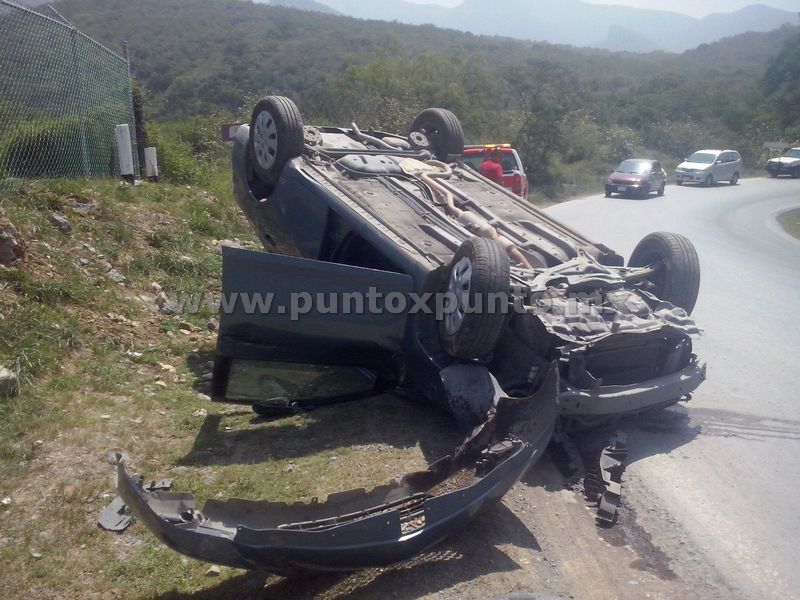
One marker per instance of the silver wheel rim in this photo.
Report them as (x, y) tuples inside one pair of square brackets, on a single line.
[(265, 140), (458, 289)]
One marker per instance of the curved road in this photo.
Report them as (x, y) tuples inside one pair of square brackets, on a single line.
[(728, 488)]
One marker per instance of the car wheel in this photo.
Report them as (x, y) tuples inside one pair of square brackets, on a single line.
[(608, 194), (709, 181), (795, 173), (480, 268), (677, 276), (678, 182), (734, 179), (443, 130), (276, 136), (661, 189), (773, 175)]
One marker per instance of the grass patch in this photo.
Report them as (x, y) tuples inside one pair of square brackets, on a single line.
[(790, 221)]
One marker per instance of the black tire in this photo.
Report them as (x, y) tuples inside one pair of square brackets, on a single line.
[(795, 173), (472, 335), (735, 179), (276, 137), (678, 277), (678, 182), (775, 175), (443, 130), (708, 181), (608, 194), (661, 189)]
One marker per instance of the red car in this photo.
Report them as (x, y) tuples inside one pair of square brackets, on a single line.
[(514, 177), (637, 177)]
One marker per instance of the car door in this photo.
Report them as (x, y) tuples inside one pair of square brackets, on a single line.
[(285, 318)]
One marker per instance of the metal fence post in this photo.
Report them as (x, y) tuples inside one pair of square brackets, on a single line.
[(79, 102), (126, 56)]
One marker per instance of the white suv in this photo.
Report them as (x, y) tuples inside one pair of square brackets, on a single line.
[(786, 164), (708, 166)]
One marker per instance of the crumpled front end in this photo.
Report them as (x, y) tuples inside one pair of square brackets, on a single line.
[(359, 529), (620, 349)]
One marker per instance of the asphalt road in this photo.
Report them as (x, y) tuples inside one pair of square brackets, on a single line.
[(718, 490)]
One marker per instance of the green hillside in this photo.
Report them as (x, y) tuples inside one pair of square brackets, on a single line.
[(571, 111)]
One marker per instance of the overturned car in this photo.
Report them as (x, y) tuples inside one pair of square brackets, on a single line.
[(391, 266)]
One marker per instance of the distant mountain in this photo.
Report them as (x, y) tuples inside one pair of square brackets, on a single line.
[(300, 5), (575, 22)]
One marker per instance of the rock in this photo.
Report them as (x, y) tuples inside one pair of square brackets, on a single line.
[(161, 384), (84, 261), (212, 325), (6, 501), (85, 207), (288, 468), (116, 276), (213, 571), (36, 555), (204, 397), (165, 307), (12, 246), (9, 382), (61, 223), (200, 412), (155, 287), (106, 266), (89, 248)]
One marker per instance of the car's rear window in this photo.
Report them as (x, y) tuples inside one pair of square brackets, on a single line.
[(508, 161), (702, 157)]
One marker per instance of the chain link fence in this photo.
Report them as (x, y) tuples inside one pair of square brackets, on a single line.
[(61, 96)]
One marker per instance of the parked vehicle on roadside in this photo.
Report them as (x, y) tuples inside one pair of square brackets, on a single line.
[(637, 177), (514, 177), (706, 167), (787, 163), (540, 326)]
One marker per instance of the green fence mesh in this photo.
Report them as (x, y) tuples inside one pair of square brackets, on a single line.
[(61, 96)]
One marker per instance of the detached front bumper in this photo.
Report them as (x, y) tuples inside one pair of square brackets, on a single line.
[(358, 529), (625, 399)]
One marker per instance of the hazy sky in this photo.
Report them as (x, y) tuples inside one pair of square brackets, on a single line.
[(690, 7)]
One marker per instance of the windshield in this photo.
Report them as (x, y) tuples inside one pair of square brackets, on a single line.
[(702, 157), (508, 161), (793, 153), (634, 166)]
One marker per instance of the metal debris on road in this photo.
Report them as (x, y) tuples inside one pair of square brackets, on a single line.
[(603, 485)]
